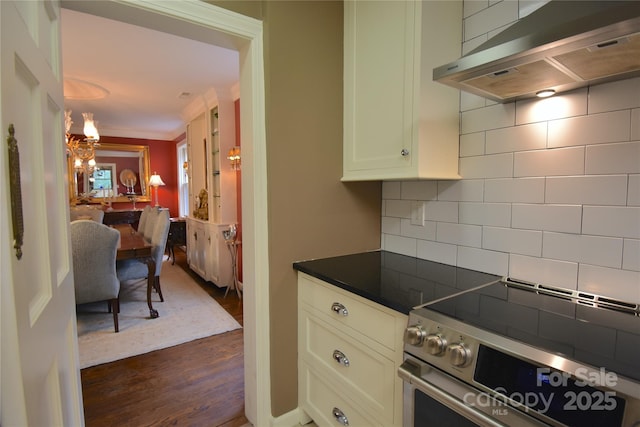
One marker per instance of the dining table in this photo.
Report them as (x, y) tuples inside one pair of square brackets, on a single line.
[(133, 245)]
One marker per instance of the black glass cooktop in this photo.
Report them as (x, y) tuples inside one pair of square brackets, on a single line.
[(396, 281), (576, 329)]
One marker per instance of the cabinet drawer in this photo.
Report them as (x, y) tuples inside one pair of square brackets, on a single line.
[(319, 400), (363, 373), (362, 316)]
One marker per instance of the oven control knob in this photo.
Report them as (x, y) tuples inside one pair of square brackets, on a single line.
[(436, 344), (414, 335), (459, 355)]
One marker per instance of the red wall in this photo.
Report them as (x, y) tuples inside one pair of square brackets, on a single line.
[(163, 160)]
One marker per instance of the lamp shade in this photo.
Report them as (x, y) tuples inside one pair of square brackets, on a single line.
[(90, 128), (155, 180)]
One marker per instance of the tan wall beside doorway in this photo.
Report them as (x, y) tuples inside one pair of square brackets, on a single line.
[(311, 213)]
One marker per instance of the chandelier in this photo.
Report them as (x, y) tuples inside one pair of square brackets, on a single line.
[(82, 150)]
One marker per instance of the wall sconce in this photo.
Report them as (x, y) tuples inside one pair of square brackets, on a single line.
[(155, 181), (234, 157)]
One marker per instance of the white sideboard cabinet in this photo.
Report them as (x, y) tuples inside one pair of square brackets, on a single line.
[(207, 251), (212, 189), (398, 122)]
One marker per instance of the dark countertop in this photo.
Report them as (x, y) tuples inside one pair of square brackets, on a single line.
[(396, 281)]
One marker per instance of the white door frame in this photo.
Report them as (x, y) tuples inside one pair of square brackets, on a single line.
[(211, 24)]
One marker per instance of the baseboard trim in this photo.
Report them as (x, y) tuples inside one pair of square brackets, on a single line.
[(295, 418)]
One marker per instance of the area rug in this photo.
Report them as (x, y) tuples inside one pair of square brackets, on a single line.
[(187, 313)]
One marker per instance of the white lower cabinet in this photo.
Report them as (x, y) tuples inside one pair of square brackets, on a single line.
[(349, 349), (207, 252)]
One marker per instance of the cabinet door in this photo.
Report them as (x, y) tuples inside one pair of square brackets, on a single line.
[(198, 154), (197, 248), (379, 87), (220, 257)]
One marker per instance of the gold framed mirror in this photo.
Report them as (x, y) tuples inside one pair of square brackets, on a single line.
[(121, 173)]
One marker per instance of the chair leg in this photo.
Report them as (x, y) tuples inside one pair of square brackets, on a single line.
[(115, 304), (156, 285), (109, 305)]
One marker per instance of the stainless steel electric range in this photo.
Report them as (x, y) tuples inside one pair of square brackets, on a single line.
[(514, 353)]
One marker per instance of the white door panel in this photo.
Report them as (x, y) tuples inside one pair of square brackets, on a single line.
[(40, 370)]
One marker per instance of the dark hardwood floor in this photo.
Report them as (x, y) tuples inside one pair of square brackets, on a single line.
[(200, 383)]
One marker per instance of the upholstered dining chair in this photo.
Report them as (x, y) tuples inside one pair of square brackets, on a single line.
[(94, 247), (86, 212), (133, 269), (150, 223), (143, 218)]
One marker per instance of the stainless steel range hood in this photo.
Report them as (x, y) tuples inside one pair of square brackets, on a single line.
[(563, 45)]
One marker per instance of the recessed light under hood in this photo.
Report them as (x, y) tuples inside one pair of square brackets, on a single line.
[(562, 46)]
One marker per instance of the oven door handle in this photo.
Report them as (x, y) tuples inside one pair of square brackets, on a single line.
[(404, 371)]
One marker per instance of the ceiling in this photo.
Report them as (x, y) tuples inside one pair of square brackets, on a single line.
[(145, 73)]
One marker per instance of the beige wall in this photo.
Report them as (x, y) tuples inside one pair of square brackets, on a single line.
[(311, 213)]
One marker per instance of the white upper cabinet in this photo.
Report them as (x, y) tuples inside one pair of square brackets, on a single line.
[(398, 122)]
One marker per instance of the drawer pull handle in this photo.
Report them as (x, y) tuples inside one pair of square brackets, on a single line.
[(340, 417), (339, 309), (339, 357)]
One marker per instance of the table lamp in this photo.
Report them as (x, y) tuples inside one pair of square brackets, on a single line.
[(155, 181)]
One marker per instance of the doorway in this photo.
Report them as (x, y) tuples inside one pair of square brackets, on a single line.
[(211, 24)]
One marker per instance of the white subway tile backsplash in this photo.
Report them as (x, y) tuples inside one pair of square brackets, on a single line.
[(492, 117), (562, 218), (493, 166), (603, 251), (467, 190), (472, 144), (568, 104), (483, 260), (419, 190), (492, 17), (441, 211), (544, 271), (426, 232), (635, 124), (587, 190), (561, 161), (469, 101), (437, 252), (619, 284), (518, 190), (611, 221), (495, 214), (391, 189), (399, 244), (633, 196), (592, 129), (390, 225), (459, 234), (550, 190), (511, 240), (471, 7), (518, 138), (613, 158), (613, 96), (398, 208), (631, 255)]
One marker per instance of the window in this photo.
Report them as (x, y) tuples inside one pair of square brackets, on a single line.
[(183, 179)]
